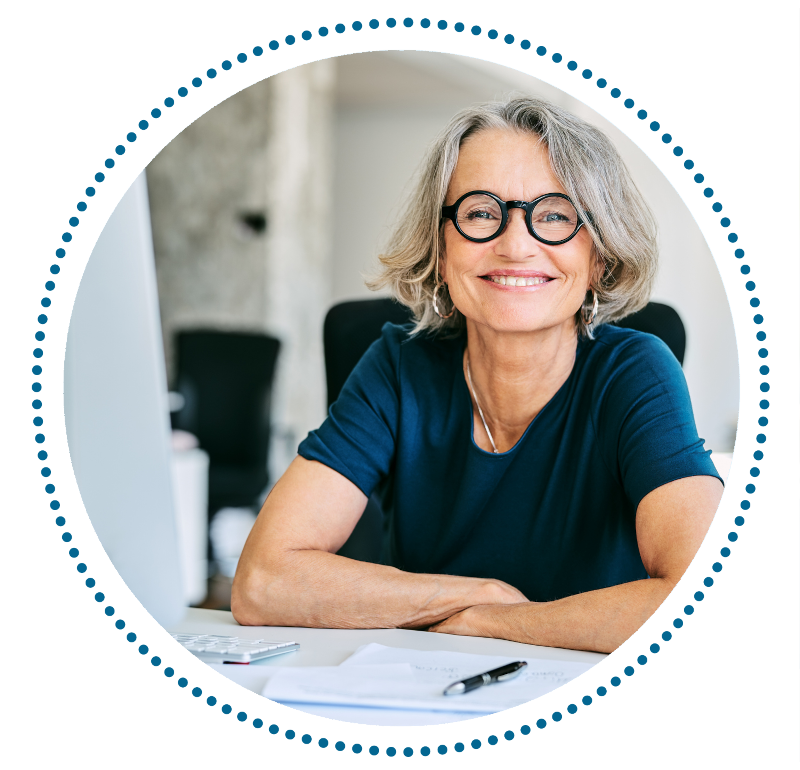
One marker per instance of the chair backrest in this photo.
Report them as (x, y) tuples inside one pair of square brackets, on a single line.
[(226, 381), (661, 321), (351, 327)]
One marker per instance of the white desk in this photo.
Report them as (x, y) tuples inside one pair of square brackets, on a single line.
[(330, 647)]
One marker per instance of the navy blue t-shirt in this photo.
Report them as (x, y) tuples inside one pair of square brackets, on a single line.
[(553, 516)]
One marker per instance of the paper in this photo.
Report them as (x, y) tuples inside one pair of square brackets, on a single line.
[(386, 677)]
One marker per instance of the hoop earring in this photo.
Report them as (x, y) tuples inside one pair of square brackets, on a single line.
[(589, 314), (436, 304)]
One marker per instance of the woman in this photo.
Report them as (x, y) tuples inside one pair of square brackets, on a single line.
[(541, 472)]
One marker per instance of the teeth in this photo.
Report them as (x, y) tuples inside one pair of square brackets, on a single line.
[(510, 280)]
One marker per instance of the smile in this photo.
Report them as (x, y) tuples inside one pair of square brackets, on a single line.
[(517, 280)]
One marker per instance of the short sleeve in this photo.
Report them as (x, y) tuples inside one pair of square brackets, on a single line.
[(646, 419), (359, 435)]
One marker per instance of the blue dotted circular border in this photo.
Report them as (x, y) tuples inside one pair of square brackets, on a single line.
[(226, 709)]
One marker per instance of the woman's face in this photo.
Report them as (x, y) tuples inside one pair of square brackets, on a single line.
[(513, 166)]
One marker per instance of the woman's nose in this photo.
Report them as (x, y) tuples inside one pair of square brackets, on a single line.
[(515, 242)]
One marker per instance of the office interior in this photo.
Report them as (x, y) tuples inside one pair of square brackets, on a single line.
[(272, 208)]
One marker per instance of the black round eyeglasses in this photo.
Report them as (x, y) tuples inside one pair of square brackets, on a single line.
[(481, 216)]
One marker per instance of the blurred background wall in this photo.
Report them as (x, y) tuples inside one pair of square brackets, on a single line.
[(274, 206)]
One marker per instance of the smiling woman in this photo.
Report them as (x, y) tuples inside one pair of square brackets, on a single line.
[(540, 470)]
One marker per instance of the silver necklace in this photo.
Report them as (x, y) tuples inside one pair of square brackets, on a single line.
[(480, 411)]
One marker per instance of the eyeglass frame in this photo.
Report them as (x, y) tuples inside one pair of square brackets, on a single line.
[(449, 212)]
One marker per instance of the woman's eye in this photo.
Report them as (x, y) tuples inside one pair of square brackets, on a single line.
[(479, 214)]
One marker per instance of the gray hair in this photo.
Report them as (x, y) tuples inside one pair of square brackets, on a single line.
[(591, 171)]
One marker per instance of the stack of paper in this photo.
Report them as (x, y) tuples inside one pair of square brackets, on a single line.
[(376, 676)]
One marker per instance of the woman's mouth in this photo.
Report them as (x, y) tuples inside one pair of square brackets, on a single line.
[(516, 280)]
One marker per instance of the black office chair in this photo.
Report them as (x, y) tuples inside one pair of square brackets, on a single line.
[(226, 381), (351, 327)]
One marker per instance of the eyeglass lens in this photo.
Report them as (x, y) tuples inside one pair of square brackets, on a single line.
[(481, 216)]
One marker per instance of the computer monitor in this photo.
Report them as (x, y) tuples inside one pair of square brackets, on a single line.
[(117, 414)]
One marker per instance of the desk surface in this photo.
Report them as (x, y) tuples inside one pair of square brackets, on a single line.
[(330, 647)]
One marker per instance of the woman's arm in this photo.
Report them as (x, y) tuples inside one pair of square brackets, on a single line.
[(289, 574), (671, 522)]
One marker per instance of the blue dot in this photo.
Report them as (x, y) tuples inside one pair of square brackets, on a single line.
[(572, 708), (689, 164), (459, 27), (289, 734), (55, 505), (708, 192), (211, 700), (339, 746), (492, 740), (678, 623), (677, 151), (476, 30), (257, 723), (557, 57), (586, 700), (688, 609), (525, 730), (739, 521), (120, 624), (226, 709), (273, 45), (629, 103), (755, 302), (408, 22), (745, 505), (74, 552), (357, 26), (274, 729), (764, 369), (169, 672), (725, 222), (183, 681), (615, 681), (442, 24), (131, 637), (339, 28), (66, 537), (525, 44), (391, 751), (374, 24), (322, 32), (602, 83), (572, 66), (36, 387), (196, 82), (155, 660), (425, 751), (155, 113), (764, 387), (109, 611), (241, 58), (258, 50), (586, 74), (42, 455), (289, 40), (242, 717), (46, 473), (541, 50), (763, 421), (732, 238), (197, 692), (655, 125), (393, 23), (739, 253), (763, 353), (441, 749), (761, 438), (226, 65), (82, 206), (750, 488), (708, 582), (36, 404), (666, 138), (764, 404), (509, 39), (509, 735), (46, 302), (745, 269), (60, 521), (307, 739), (628, 670), (99, 176), (616, 93), (38, 352), (601, 691), (211, 74), (492, 34), (666, 636), (39, 438), (750, 285), (557, 716), (642, 114), (475, 743), (654, 648)]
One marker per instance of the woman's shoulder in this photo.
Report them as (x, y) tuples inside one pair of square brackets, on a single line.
[(615, 343), (401, 340)]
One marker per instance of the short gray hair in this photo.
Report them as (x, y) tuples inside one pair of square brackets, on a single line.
[(591, 171)]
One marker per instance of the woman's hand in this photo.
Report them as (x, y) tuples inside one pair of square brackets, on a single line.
[(473, 621)]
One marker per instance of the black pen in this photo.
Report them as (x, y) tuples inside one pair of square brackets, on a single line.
[(509, 671)]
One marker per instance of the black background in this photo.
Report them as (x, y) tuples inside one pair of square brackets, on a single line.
[(78, 93)]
